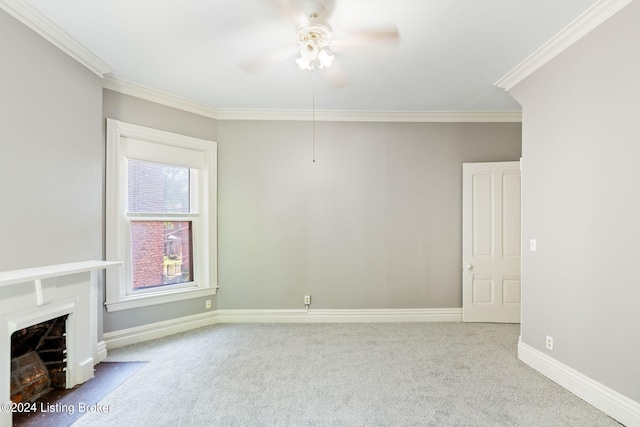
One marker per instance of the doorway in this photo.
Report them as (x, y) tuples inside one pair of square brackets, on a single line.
[(491, 242)]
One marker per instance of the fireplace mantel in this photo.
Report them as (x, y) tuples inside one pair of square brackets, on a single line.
[(33, 295), (8, 278)]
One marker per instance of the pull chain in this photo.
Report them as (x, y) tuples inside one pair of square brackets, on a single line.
[(313, 114)]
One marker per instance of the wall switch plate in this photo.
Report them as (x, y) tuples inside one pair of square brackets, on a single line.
[(533, 246), (307, 299), (549, 343)]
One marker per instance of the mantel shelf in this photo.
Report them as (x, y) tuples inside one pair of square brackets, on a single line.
[(13, 277)]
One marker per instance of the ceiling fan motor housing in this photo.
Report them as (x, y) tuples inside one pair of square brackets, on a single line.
[(314, 9), (317, 34), (315, 38)]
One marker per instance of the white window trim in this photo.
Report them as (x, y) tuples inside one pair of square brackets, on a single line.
[(204, 237)]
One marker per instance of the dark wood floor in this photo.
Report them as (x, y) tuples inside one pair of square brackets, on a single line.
[(63, 407)]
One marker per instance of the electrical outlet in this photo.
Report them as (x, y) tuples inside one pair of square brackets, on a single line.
[(207, 304), (307, 299), (549, 343)]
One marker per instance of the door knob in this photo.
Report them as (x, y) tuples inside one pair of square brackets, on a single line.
[(467, 268)]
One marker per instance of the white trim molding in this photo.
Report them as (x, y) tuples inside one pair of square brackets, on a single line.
[(614, 404), (101, 349), (159, 97), (169, 100), (372, 116), (42, 25), (158, 330), (578, 28), (341, 316), (151, 331)]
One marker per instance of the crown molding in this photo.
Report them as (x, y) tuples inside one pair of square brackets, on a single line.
[(169, 100), (578, 28), (36, 21), (33, 19), (371, 116), (159, 97)]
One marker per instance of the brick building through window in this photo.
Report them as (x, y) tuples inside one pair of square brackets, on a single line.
[(160, 250)]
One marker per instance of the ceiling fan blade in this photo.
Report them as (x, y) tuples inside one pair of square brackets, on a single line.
[(258, 64), (286, 9), (364, 37), (336, 75)]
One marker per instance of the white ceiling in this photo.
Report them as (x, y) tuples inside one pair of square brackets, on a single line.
[(450, 54)]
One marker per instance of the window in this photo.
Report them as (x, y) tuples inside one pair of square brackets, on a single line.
[(161, 223), (161, 249)]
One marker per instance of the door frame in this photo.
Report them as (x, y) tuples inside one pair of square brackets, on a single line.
[(499, 267)]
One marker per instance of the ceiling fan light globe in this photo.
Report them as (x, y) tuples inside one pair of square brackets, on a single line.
[(325, 58), (304, 63)]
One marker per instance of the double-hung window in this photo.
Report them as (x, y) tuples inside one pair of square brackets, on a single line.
[(161, 216)]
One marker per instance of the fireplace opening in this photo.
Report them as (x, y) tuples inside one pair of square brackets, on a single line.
[(38, 359)]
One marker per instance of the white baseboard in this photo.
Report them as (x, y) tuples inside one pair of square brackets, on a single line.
[(151, 331), (101, 351), (612, 403), (84, 372), (341, 316)]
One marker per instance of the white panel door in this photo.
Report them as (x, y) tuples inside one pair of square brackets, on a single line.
[(491, 242)]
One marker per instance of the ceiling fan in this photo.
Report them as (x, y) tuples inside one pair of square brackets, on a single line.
[(316, 45)]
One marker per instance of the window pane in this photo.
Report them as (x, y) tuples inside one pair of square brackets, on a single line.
[(161, 253), (154, 187)]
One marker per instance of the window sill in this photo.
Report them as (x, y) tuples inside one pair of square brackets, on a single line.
[(131, 302)]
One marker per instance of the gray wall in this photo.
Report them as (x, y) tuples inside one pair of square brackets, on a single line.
[(140, 112), (374, 223), (51, 157), (581, 145)]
